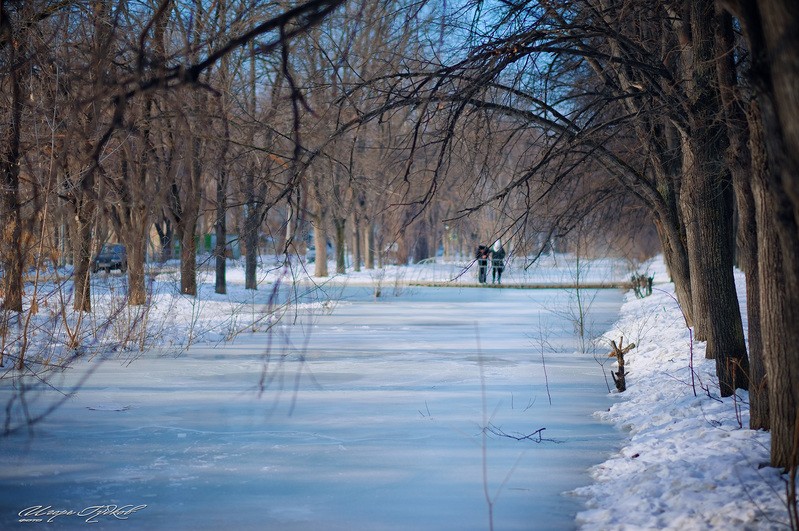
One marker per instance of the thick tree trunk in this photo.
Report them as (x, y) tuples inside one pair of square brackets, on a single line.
[(777, 92), (756, 291), (13, 256), (707, 209), (356, 242), (136, 249), (12, 244), (421, 246), (251, 226), (780, 313), (320, 243), (133, 231), (772, 31), (221, 233), (340, 226), (189, 215), (166, 237), (708, 218), (369, 245), (131, 218), (84, 223), (676, 258), (188, 257), (740, 162), (780, 39)]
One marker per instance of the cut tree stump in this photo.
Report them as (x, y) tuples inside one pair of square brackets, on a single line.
[(618, 352)]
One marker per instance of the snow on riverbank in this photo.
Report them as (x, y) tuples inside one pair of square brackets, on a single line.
[(690, 462)]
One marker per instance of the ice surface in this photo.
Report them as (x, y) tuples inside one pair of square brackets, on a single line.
[(363, 415)]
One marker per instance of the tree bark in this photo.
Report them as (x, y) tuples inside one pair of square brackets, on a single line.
[(188, 258), (220, 285), (220, 227), (189, 215), (369, 245), (252, 218), (166, 237), (707, 209), (136, 251), (740, 162), (675, 255), (252, 222), (356, 242), (221, 231), (340, 224), (772, 31), (778, 323), (780, 38), (84, 225), (12, 244), (320, 243), (756, 291)]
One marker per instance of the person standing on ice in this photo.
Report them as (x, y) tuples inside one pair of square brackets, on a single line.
[(497, 262), (482, 263)]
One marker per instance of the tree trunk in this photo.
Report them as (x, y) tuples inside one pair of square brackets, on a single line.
[(673, 233), (708, 217), (221, 232), (251, 226), (770, 28), (676, 257), (780, 19), (780, 42), (84, 217), (189, 215), (132, 223), (188, 245), (707, 208), (320, 243), (756, 291), (188, 258), (421, 245), (356, 242), (166, 237), (222, 175), (136, 247), (12, 237), (252, 219), (369, 245), (778, 323), (340, 225), (740, 162)]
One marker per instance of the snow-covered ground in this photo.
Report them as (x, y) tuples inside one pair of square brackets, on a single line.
[(312, 404), (690, 461)]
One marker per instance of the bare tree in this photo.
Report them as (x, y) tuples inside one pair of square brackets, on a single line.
[(773, 41)]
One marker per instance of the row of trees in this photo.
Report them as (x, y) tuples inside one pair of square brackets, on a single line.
[(138, 118), (687, 107), (117, 116), (123, 117), (395, 124)]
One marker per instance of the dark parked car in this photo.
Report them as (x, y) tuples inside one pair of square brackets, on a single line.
[(111, 256)]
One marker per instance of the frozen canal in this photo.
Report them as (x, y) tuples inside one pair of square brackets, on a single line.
[(365, 415)]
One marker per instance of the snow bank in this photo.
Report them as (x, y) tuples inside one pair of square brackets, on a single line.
[(690, 462)]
